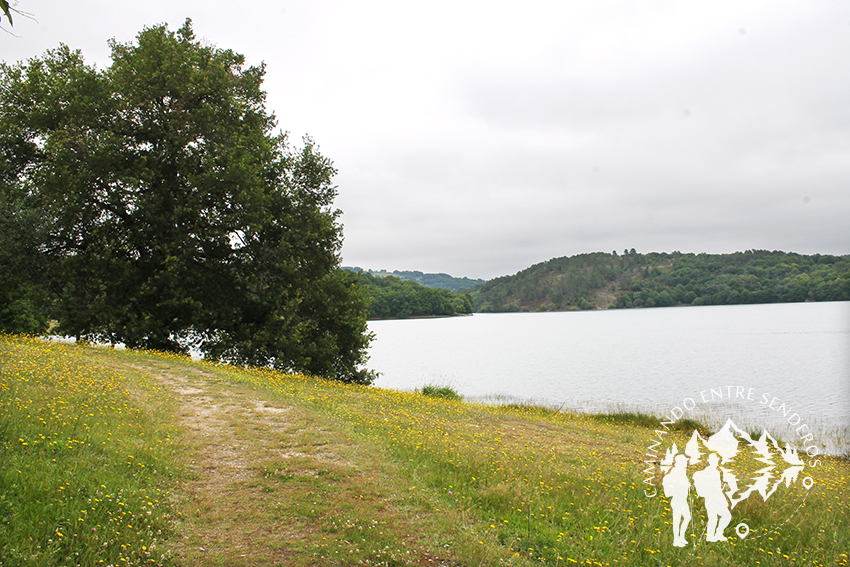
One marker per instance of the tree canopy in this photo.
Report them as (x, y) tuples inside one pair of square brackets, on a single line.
[(599, 280), (166, 213), (442, 281), (393, 298)]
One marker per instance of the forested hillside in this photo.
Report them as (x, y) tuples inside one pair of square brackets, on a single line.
[(392, 298), (600, 280), (444, 281)]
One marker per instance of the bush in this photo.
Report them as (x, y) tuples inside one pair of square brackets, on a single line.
[(445, 392)]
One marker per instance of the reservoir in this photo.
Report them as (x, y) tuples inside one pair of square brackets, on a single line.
[(758, 364)]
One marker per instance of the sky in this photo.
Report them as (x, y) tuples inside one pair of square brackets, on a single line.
[(477, 138)]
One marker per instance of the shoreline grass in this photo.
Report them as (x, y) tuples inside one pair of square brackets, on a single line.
[(362, 475), (831, 437)]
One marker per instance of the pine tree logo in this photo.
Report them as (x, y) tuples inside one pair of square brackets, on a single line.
[(724, 471)]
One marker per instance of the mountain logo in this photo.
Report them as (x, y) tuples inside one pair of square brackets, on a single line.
[(724, 471)]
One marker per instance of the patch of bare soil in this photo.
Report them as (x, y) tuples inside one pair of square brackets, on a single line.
[(225, 513)]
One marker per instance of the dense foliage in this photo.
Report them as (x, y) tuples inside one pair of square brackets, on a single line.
[(600, 280), (25, 301), (165, 213), (392, 298), (444, 281)]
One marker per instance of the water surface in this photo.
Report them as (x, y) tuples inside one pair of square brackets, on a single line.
[(797, 353)]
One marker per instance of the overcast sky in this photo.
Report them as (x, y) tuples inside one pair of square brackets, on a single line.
[(479, 138)]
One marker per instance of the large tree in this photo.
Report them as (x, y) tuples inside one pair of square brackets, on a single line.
[(177, 216)]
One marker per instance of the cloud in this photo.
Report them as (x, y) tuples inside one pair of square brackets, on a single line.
[(704, 141), (478, 138)]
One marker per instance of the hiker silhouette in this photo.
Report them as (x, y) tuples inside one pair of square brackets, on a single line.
[(709, 485), (676, 486)]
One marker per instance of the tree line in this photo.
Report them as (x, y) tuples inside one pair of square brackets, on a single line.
[(441, 280), (600, 280), (153, 203), (393, 298)]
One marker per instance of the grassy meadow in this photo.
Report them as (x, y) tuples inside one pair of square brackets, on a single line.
[(88, 457), (112, 457)]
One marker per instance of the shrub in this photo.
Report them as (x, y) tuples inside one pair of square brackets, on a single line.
[(445, 392)]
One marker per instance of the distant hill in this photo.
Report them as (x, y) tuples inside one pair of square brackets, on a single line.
[(600, 280), (442, 281), (392, 298)]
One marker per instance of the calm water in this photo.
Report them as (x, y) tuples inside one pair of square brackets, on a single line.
[(638, 358)]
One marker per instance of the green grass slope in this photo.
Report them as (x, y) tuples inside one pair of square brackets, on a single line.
[(130, 458)]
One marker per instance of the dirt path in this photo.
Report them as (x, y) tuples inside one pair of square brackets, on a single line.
[(272, 484), (228, 514)]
